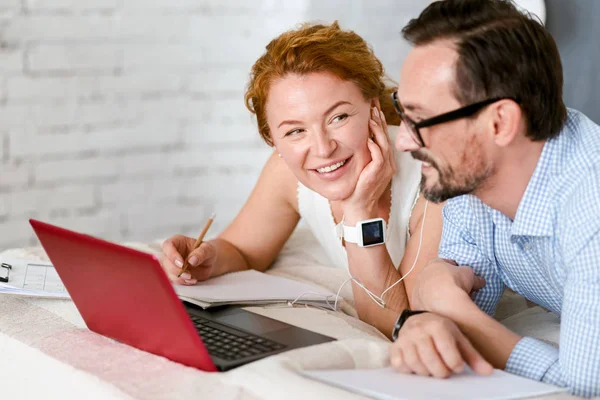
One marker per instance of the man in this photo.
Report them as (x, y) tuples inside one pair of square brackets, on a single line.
[(522, 175)]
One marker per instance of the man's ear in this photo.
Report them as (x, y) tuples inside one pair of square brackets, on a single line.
[(507, 119)]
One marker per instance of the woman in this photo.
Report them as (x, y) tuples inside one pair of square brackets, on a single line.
[(318, 93)]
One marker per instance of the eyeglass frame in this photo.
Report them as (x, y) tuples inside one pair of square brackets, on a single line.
[(462, 112)]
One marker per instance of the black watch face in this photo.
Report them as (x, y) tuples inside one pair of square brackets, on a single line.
[(372, 233)]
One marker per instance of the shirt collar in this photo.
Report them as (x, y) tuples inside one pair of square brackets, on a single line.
[(534, 214)]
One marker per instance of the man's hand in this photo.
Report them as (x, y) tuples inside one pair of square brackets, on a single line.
[(431, 345), (440, 283)]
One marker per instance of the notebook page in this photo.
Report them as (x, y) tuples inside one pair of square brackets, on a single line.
[(248, 286), (387, 384)]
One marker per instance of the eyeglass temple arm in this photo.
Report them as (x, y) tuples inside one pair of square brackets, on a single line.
[(456, 114)]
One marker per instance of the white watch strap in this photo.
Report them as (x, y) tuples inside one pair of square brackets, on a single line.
[(339, 231), (350, 234)]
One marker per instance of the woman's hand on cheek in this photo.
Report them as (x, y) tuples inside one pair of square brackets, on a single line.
[(375, 177)]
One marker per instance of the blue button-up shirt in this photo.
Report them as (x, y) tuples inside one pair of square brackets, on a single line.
[(549, 254)]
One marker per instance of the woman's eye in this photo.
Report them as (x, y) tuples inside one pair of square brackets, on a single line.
[(294, 132), (339, 118)]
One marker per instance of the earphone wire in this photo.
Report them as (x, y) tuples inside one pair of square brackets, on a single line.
[(416, 257), (376, 299)]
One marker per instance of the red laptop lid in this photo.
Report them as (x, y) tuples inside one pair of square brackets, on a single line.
[(123, 294)]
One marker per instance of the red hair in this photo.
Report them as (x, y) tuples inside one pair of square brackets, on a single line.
[(318, 48)]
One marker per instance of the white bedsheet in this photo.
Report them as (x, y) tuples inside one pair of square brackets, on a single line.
[(46, 352)]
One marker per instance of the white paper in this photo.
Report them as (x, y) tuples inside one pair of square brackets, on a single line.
[(388, 384), (32, 278), (252, 287)]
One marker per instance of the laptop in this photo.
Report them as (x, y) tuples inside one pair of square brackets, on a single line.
[(124, 294)]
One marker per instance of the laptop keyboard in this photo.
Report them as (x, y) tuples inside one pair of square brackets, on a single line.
[(231, 344)]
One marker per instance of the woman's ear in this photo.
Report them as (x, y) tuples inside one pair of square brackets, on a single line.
[(375, 103)]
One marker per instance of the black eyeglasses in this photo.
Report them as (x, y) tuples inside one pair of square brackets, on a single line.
[(413, 127)]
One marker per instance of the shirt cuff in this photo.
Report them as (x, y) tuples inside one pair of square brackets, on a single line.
[(531, 358)]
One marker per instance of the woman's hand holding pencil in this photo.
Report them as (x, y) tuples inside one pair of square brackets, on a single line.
[(187, 260)]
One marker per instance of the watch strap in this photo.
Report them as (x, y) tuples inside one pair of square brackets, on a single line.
[(402, 319), (350, 234)]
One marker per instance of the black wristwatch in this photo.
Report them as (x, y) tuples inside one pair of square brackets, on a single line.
[(402, 319)]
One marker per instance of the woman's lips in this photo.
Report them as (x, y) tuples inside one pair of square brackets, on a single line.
[(335, 174)]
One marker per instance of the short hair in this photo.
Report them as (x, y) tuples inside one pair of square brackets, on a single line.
[(318, 48), (502, 52)]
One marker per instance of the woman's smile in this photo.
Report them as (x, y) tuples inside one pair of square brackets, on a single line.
[(332, 171)]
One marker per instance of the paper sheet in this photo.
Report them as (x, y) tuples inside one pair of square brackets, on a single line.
[(387, 384), (252, 287), (33, 278)]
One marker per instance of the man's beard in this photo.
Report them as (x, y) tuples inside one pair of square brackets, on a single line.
[(450, 183)]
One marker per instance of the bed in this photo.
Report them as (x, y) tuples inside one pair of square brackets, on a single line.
[(46, 351)]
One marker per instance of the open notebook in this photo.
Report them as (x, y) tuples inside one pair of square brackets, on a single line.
[(39, 279), (253, 288), (387, 384)]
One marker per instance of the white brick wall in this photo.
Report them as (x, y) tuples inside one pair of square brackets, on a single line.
[(125, 118)]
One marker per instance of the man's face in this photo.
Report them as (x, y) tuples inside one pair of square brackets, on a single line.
[(455, 157)]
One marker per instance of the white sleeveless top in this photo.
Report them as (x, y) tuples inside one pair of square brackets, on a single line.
[(316, 211)]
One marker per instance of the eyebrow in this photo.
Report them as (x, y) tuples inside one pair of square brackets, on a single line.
[(330, 109), (412, 107)]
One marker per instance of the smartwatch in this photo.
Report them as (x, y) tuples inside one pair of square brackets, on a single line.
[(370, 232)]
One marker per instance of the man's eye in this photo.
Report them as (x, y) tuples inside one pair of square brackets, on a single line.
[(415, 119), (339, 118), (294, 132)]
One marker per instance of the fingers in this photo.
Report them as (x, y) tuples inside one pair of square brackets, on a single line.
[(379, 130), (472, 357), (412, 360), (389, 149), (201, 261), (466, 278), (172, 260), (381, 154), (433, 345), (171, 252), (384, 123), (377, 159), (448, 349), (173, 271), (431, 358), (478, 283), (397, 360), (422, 357)]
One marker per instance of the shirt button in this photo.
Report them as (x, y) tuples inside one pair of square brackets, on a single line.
[(527, 246)]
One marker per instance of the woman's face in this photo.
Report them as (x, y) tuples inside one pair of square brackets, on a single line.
[(320, 126)]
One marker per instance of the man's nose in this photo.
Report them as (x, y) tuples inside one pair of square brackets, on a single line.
[(405, 141)]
